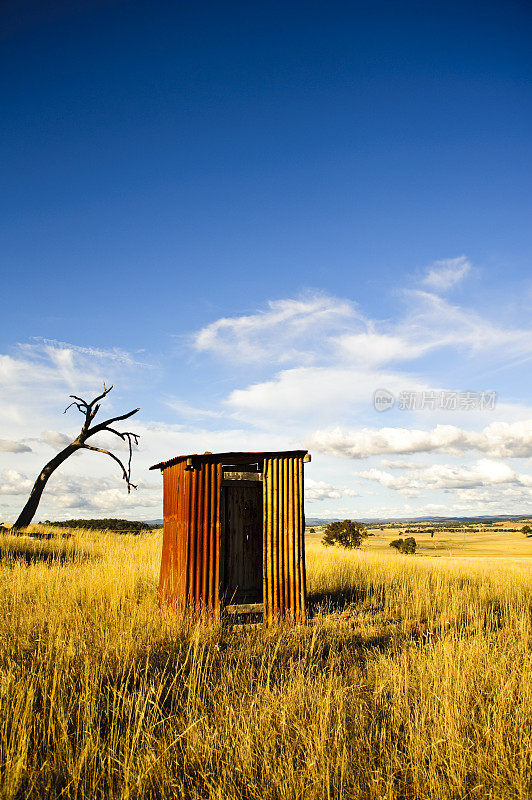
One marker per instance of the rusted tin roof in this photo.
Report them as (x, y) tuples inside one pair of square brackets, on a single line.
[(231, 458)]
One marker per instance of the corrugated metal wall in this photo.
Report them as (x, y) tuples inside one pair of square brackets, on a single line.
[(284, 540), (190, 564)]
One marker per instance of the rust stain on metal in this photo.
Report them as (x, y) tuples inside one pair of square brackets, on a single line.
[(237, 542)]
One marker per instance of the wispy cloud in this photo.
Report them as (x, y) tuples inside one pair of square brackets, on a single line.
[(110, 354), (333, 357), (57, 365), (190, 411), (432, 323), (444, 274), (36, 379), (287, 330)]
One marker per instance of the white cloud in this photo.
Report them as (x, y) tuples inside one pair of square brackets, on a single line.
[(388, 463), (56, 439), (482, 473), (13, 482), (334, 357), (8, 446), (318, 490), (442, 275), (310, 390), (504, 498), (374, 349), (497, 440)]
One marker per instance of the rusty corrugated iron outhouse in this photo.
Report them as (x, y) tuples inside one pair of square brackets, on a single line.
[(234, 528)]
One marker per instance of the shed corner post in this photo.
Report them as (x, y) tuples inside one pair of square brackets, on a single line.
[(303, 573)]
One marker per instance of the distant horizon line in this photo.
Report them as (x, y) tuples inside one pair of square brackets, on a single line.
[(325, 520)]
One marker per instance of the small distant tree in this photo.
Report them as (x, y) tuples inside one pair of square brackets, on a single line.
[(406, 546), (409, 545), (312, 530), (527, 530), (348, 534), (397, 544)]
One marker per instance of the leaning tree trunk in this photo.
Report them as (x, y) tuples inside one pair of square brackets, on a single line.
[(28, 512)]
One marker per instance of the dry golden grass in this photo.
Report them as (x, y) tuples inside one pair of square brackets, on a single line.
[(413, 680)]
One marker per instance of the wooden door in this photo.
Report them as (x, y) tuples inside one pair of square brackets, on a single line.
[(242, 541)]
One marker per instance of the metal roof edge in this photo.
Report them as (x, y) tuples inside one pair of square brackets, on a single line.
[(250, 456)]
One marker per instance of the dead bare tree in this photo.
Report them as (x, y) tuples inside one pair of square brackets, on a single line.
[(89, 410)]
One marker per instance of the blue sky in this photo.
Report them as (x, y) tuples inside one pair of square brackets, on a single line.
[(249, 219)]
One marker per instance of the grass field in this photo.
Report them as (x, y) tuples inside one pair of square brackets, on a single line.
[(477, 540), (411, 680)]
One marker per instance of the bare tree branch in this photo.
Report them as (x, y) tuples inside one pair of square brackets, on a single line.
[(88, 408), (102, 395), (105, 424), (126, 474), (79, 406), (124, 434)]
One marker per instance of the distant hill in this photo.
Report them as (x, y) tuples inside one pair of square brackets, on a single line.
[(123, 524), (111, 524), (309, 521), (495, 517)]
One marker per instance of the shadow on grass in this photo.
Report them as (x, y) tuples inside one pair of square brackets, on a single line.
[(340, 599), (34, 554)]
